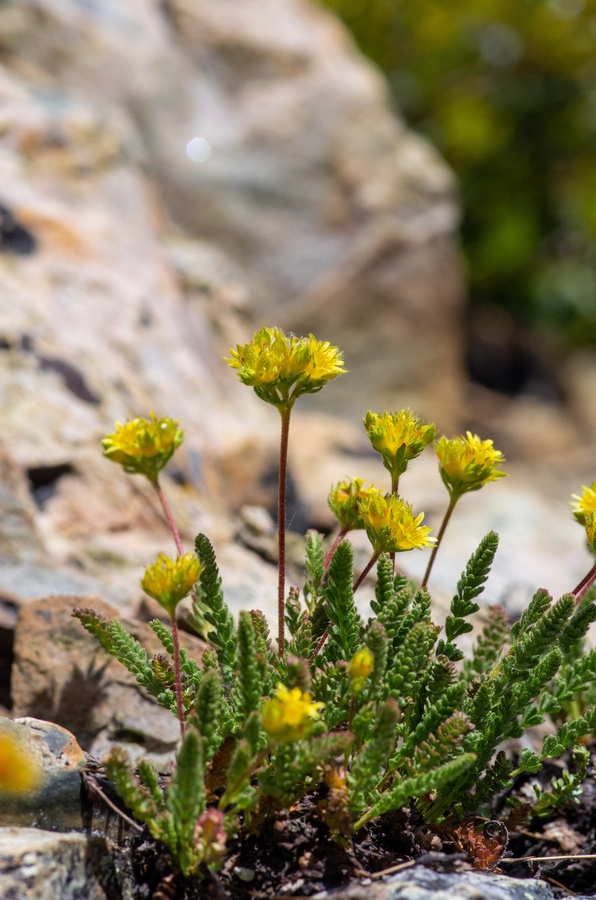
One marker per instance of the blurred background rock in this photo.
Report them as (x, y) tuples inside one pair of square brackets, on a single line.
[(175, 174)]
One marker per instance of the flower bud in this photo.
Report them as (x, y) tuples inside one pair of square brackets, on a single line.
[(399, 437), (467, 463), (361, 665), (143, 446), (170, 580)]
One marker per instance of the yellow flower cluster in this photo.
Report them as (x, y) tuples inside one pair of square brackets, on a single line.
[(390, 524), (585, 503), (289, 715), (361, 665), (344, 500), (18, 771), (143, 446), (467, 463), (281, 368), (170, 580), (399, 437)]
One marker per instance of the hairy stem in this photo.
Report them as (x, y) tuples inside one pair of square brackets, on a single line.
[(585, 584), (453, 500), (336, 544), (169, 517), (319, 647), (365, 571), (281, 526), (394, 490), (174, 628)]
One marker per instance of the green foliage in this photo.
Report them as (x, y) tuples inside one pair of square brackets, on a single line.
[(247, 693), (114, 638), (210, 604), (565, 789), (386, 713), (315, 564), (419, 729), (470, 586), (172, 813), (207, 712), (505, 90), (345, 626)]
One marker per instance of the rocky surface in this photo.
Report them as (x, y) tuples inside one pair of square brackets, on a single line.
[(45, 865), (55, 800), (60, 672), (422, 882), (127, 269), (341, 219)]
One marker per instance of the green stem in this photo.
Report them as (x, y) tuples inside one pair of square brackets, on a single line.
[(452, 501), (174, 628), (352, 711), (281, 526), (585, 584), (365, 571), (363, 819), (169, 516)]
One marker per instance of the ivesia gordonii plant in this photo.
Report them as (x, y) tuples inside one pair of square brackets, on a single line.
[(387, 712)]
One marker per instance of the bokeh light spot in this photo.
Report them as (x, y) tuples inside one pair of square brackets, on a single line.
[(198, 149)]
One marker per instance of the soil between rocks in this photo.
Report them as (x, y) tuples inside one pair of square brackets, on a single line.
[(294, 855)]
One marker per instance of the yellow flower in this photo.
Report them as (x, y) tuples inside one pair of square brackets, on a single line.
[(143, 446), (18, 770), (344, 501), (170, 580), (281, 368), (289, 715), (390, 524), (399, 437), (361, 665), (584, 503), (467, 463)]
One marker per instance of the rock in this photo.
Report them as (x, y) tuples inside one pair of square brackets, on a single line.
[(55, 801), (45, 865), (422, 882), (61, 672), (341, 219)]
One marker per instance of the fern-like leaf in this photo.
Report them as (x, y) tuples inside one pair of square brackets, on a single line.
[(425, 783), (345, 627), (207, 712), (369, 764), (248, 684), (212, 606)]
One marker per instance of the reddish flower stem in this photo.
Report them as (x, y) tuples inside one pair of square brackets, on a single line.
[(336, 544), (174, 628), (319, 647), (169, 517), (394, 490), (365, 571), (281, 527), (585, 584), (453, 500)]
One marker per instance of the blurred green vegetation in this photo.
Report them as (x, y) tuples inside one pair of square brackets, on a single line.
[(506, 90)]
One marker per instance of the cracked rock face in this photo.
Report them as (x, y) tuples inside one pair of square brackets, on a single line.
[(127, 269), (43, 865)]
